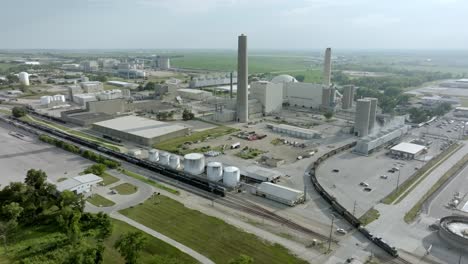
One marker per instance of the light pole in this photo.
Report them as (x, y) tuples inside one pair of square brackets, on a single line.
[(331, 233), (398, 181)]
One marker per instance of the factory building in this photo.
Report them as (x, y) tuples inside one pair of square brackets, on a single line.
[(270, 95), (366, 111), (140, 130), (164, 63), (242, 81), (111, 107), (127, 70), (90, 66), (82, 99), (300, 94), (109, 95), (123, 84), (108, 64), (294, 131), (50, 101), (212, 80), (348, 97), (92, 86), (23, 78), (461, 112), (391, 133), (193, 94), (280, 193), (407, 150)]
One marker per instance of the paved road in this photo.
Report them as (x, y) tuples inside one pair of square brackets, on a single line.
[(187, 250), (416, 237)]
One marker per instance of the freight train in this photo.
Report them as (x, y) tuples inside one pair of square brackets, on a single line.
[(340, 209), (180, 176)]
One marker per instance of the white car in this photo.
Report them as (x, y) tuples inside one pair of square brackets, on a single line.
[(364, 184), (384, 177), (341, 231)]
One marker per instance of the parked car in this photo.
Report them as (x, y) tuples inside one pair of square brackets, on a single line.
[(384, 177), (341, 231), (364, 184), (367, 189), (336, 170)]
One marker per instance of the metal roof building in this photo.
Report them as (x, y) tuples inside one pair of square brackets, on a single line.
[(280, 193), (79, 184), (140, 130), (408, 150)]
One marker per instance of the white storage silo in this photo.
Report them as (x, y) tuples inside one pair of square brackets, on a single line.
[(45, 100), (194, 163), (24, 78), (231, 176), (164, 158), (153, 155), (214, 171), (174, 161)]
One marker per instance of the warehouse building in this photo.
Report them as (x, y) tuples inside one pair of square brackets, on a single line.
[(79, 184), (140, 130), (92, 86), (407, 150), (269, 94), (461, 112), (294, 131), (280, 193), (194, 94)]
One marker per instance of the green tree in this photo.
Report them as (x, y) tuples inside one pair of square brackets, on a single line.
[(328, 115), (187, 115), (242, 259), (97, 169), (35, 178), (300, 78), (70, 199), (18, 111), (129, 245), (150, 86), (12, 211)]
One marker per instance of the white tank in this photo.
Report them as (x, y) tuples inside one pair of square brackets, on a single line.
[(231, 176), (164, 158), (194, 163), (174, 161), (153, 155), (214, 171), (24, 78), (45, 100)]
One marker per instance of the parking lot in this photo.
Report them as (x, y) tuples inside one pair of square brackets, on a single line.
[(343, 174), (17, 156)]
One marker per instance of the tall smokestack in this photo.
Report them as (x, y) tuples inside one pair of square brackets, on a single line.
[(230, 90), (242, 82), (327, 68)]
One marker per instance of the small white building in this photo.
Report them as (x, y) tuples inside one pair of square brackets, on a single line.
[(407, 150), (81, 99), (109, 95), (280, 193), (79, 184), (461, 112)]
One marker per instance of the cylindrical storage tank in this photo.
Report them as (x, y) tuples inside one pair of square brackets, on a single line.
[(231, 176), (153, 155), (214, 171), (174, 161), (164, 158), (194, 163), (23, 78)]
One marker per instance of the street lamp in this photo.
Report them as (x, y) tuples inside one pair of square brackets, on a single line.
[(331, 233)]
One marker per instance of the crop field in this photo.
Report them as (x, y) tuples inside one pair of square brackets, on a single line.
[(227, 61), (207, 235)]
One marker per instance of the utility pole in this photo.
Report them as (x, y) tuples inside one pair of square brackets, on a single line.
[(305, 192), (354, 207), (398, 181), (331, 233)]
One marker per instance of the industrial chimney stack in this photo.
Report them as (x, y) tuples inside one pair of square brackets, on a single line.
[(242, 81)]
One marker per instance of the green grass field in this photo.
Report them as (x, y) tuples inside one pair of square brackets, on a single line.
[(208, 235), (108, 179), (175, 145), (227, 61), (370, 216), (125, 189), (99, 201), (311, 75), (31, 237)]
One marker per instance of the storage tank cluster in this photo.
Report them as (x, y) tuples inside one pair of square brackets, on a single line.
[(174, 161), (164, 158), (231, 176), (24, 78), (214, 171)]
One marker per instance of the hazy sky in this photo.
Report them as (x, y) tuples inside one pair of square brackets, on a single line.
[(269, 24)]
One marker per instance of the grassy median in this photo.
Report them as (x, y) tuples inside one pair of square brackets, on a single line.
[(370, 216), (208, 235), (149, 181)]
